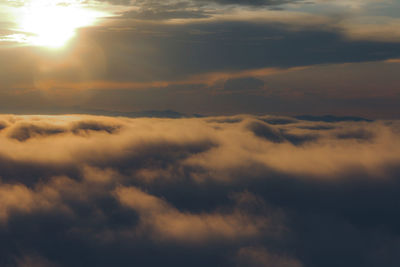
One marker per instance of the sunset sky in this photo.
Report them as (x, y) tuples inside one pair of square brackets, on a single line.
[(214, 57), (199, 133)]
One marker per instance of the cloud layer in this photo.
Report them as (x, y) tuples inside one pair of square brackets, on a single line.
[(218, 191)]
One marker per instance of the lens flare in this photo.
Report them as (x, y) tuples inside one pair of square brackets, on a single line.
[(54, 23)]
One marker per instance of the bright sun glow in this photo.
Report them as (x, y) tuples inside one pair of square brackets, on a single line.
[(52, 23)]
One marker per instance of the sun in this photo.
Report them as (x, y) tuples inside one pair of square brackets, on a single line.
[(53, 23)]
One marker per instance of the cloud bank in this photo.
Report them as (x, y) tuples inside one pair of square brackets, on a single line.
[(219, 191)]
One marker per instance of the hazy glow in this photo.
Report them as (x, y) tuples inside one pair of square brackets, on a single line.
[(53, 23)]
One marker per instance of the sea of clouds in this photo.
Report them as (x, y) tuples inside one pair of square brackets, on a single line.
[(241, 190)]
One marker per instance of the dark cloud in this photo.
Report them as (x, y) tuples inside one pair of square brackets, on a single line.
[(253, 2), (3, 125), (23, 131), (265, 131), (259, 256), (278, 135), (96, 126), (222, 2), (318, 127), (174, 51), (276, 120), (243, 84), (361, 134), (330, 118), (216, 191), (226, 120), (167, 10)]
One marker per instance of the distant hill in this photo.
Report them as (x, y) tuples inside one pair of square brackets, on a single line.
[(330, 118), (136, 114), (172, 114)]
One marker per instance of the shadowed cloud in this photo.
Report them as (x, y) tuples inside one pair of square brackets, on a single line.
[(23, 131), (218, 191)]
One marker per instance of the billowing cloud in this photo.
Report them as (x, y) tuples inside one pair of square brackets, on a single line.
[(241, 190), (166, 222), (23, 131), (228, 191)]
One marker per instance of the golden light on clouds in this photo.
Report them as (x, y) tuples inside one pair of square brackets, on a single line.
[(229, 133), (52, 23)]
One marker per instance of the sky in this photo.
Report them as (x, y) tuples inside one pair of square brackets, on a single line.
[(226, 133), (211, 57)]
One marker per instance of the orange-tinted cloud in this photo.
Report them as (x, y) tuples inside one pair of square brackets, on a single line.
[(239, 190), (167, 223)]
